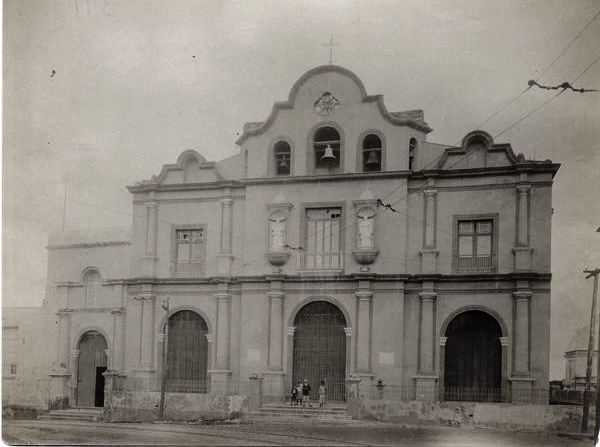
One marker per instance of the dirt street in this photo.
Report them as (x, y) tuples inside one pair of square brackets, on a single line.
[(34, 432)]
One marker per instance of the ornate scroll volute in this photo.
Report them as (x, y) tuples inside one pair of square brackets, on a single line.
[(278, 213), (365, 212)]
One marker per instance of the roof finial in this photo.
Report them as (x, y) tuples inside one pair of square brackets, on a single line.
[(331, 45)]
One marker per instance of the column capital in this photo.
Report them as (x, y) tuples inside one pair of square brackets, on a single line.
[(443, 341), (503, 341), (75, 354), (64, 312), (363, 295), (348, 331), (430, 192), (152, 204), (522, 295), (524, 188), (223, 297), (209, 337), (160, 337), (276, 295), (227, 201), (427, 297), (118, 311), (291, 330)]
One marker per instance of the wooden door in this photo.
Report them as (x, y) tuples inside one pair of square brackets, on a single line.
[(92, 355)]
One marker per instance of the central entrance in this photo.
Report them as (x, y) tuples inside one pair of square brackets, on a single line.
[(91, 365), (320, 349)]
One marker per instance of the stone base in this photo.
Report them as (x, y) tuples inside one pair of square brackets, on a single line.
[(273, 384), (59, 392), (521, 390), (522, 258), (220, 381), (365, 383), (429, 261), (224, 261), (426, 388)]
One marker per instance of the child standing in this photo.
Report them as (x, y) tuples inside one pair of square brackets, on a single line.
[(299, 393), (322, 392), (294, 395)]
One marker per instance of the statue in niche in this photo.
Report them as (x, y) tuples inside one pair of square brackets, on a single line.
[(277, 231), (365, 228)]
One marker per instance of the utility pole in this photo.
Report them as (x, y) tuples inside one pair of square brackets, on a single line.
[(588, 370), (163, 380), (595, 273)]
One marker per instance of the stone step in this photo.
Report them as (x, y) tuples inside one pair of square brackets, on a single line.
[(285, 412), (78, 414)]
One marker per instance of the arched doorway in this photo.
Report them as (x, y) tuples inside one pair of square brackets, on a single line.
[(320, 348), (91, 365), (187, 353), (473, 358)]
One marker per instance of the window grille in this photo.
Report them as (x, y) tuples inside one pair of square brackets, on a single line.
[(475, 239), (323, 239), (190, 249)]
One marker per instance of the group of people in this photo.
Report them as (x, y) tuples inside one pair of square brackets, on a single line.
[(301, 393)]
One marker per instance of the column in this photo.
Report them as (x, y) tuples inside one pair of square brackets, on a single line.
[(522, 383), (149, 259), (521, 337), (118, 364), (151, 227), (522, 251), (60, 396), (426, 377), (275, 331), (426, 332), (64, 338), (363, 337), (224, 258), (220, 376), (429, 253), (146, 332)]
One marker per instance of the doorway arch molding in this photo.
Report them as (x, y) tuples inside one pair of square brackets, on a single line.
[(165, 317), (294, 310), (480, 308)]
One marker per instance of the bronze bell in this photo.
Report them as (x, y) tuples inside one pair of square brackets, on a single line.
[(328, 156), (373, 160)]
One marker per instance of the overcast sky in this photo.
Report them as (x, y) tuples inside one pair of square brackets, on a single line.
[(101, 93)]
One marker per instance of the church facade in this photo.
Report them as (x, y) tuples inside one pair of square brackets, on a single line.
[(338, 245)]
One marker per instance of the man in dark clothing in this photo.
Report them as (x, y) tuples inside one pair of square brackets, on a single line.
[(306, 394)]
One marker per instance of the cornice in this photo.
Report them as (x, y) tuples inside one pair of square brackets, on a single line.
[(87, 245)]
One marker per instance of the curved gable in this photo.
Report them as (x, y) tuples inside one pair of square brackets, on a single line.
[(478, 150), (325, 88)]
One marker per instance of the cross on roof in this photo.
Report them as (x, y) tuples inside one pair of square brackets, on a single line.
[(331, 44)]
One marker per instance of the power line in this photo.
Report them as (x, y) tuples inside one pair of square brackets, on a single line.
[(569, 45)]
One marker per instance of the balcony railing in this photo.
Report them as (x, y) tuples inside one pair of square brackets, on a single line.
[(321, 260), (187, 268), (476, 263)]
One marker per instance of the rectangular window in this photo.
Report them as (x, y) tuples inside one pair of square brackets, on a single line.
[(322, 239), (190, 252), (475, 251)]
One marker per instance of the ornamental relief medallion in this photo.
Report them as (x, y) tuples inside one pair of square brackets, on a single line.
[(326, 104)]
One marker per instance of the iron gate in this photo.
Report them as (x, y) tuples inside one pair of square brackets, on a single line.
[(187, 353), (320, 349), (473, 358)]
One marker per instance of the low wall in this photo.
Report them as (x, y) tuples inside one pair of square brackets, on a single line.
[(553, 418), (139, 406)]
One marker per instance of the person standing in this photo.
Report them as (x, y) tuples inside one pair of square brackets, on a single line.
[(299, 393), (306, 394), (322, 392)]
